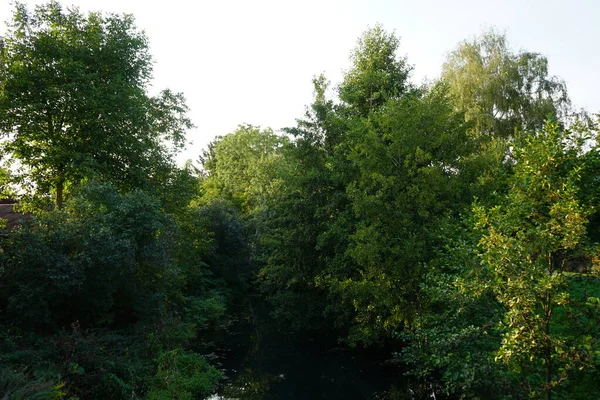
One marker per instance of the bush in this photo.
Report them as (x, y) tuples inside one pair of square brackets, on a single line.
[(104, 259), (18, 386), (183, 375)]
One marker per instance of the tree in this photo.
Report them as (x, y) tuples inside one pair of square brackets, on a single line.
[(240, 175), (240, 165), (73, 100), (500, 91), (529, 243), (105, 257), (377, 73), (371, 180), (409, 157)]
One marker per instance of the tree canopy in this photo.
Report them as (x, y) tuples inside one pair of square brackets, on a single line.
[(377, 74), (74, 102), (501, 91), (450, 227)]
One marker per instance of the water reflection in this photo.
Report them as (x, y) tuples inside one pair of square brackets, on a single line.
[(262, 362)]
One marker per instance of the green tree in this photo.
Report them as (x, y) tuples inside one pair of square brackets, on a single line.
[(240, 176), (503, 92), (303, 226), (73, 100), (529, 245), (370, 181), (105, 257), (240, 166), (377, 73), (452, 340), (410, 160)]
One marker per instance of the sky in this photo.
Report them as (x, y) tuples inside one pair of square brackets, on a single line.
[(252, 61)]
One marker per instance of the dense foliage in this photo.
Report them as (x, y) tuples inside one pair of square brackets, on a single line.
[(73, 100), (453, 224)]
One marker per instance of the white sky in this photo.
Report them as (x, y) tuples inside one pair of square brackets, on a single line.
[(252, 61)]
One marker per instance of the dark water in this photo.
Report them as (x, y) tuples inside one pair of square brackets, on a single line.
[(262, 360)]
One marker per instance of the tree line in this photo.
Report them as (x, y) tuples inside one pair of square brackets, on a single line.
[(455, 222)]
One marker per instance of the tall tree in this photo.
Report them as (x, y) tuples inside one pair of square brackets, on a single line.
[(409, 184), (377, 73), (529, 244), (73, 100), (374, 176), (502, 91)]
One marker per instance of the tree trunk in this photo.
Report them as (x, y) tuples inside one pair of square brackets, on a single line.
[(548, 337), (548, 381), (60, 183), (59, 193), (548, 350)]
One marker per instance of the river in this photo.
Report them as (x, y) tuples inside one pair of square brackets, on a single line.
[(261, 360)]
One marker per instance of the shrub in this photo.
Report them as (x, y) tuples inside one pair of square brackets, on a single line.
[(183, 375)]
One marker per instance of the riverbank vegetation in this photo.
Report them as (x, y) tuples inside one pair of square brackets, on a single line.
[(455, 223)]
